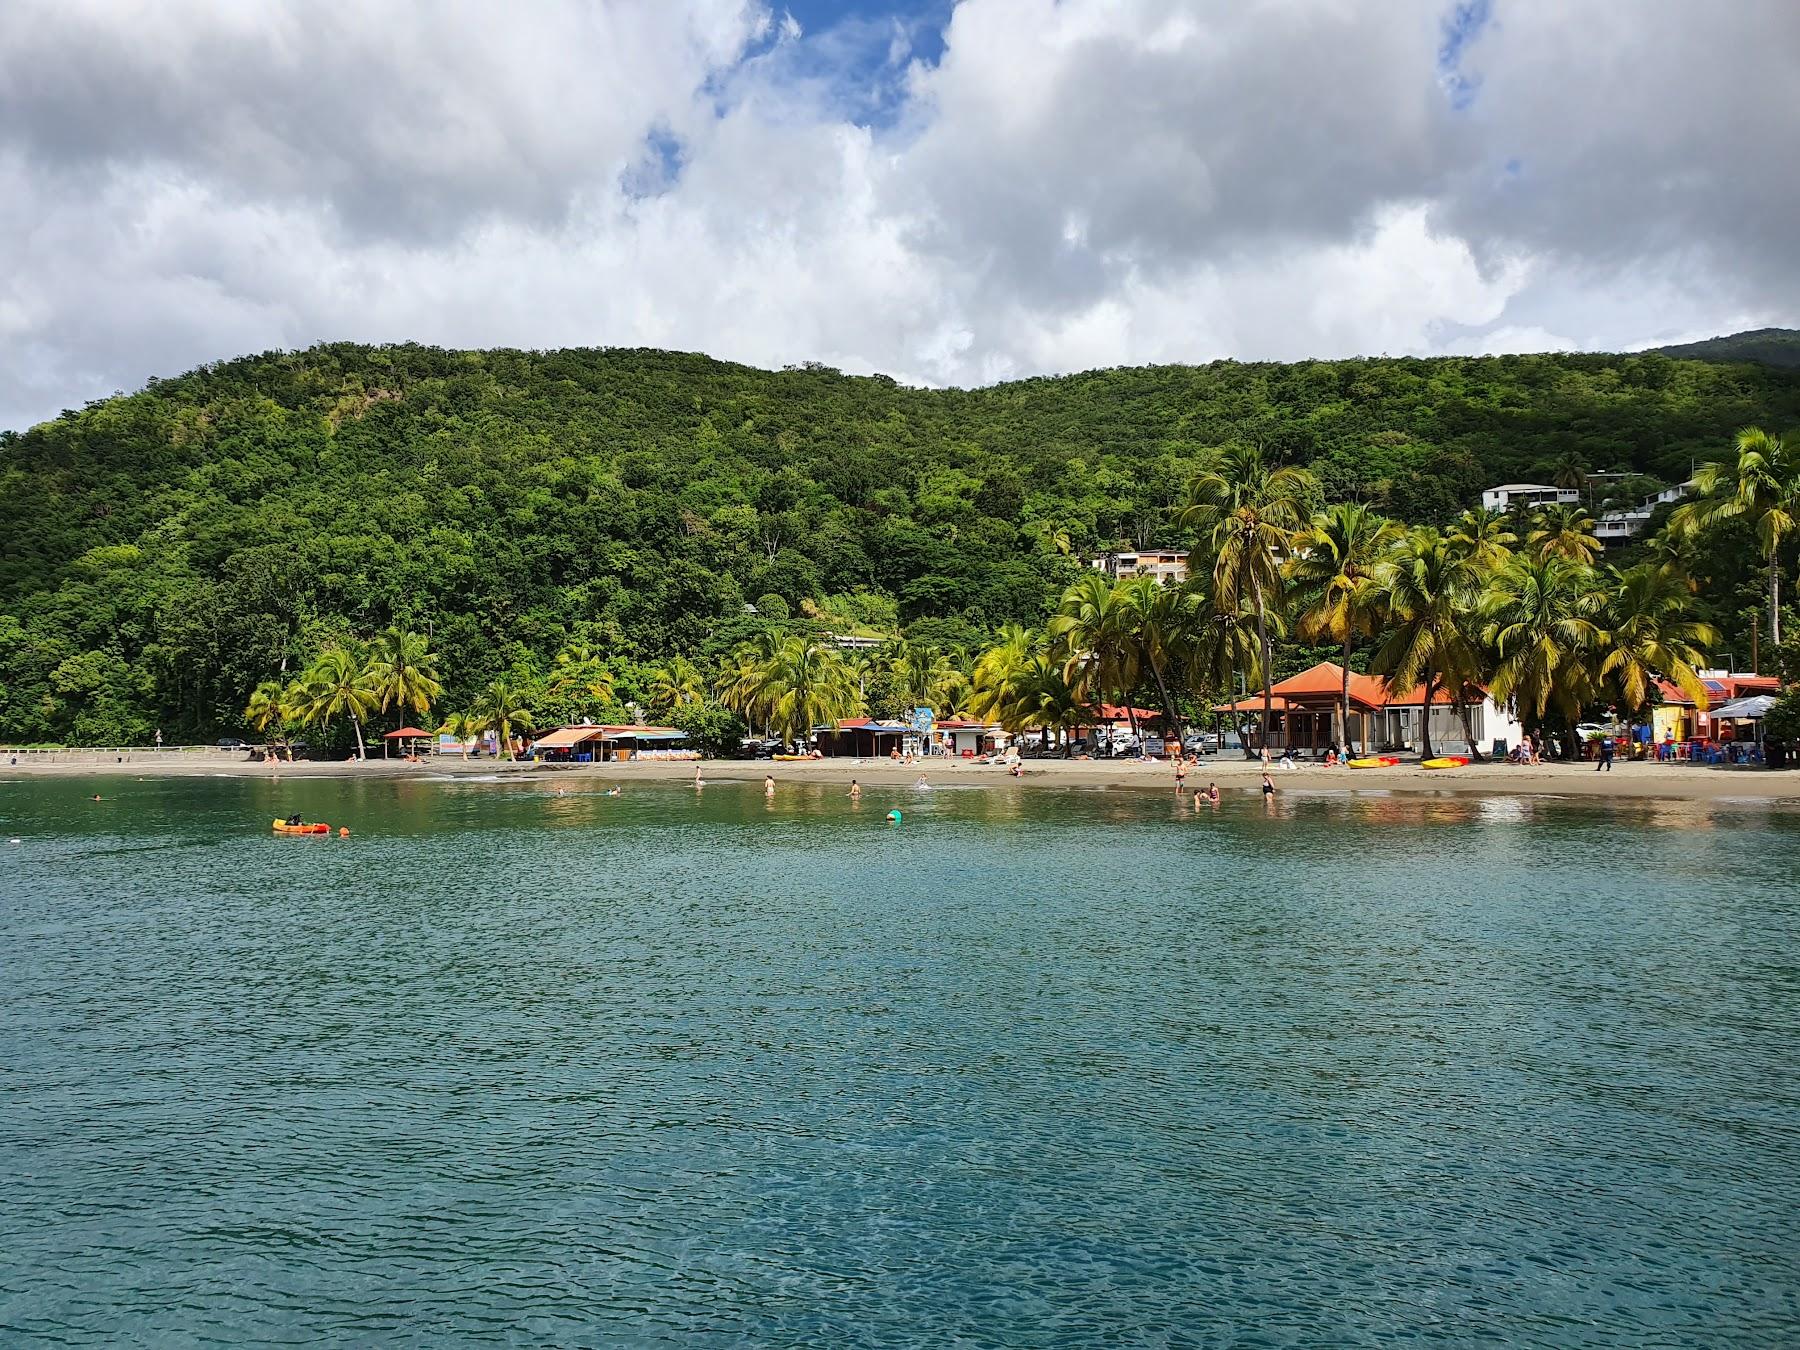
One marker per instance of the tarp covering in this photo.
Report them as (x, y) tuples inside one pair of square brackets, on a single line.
[(1746, 708), (565, 738)]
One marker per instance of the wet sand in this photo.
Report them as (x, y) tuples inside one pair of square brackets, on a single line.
[(1678, 782)]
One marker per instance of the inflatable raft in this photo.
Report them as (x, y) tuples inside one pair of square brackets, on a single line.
[(318, 827)]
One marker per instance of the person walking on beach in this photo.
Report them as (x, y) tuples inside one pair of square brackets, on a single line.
[(1606, 755)]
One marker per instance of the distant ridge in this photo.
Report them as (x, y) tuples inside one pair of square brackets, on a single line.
[(1764, 346)]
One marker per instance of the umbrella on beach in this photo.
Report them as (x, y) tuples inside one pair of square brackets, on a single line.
[(404, 734)]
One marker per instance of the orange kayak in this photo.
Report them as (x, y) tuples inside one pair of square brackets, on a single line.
[(319, 827)]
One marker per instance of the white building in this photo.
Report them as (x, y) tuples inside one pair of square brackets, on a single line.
[(1508, 495), (1168, 565), (1617, 525)]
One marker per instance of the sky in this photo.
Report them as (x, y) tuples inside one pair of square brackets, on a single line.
[(946, 191)]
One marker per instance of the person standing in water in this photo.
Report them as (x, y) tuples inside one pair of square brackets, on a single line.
[(1212, 794), (855, 790), (768, 785), (1268, 785)]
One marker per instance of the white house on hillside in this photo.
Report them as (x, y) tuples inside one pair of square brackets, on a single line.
[(1508, 495), (1168, 565)]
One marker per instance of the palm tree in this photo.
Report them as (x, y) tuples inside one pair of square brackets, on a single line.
[(925, 677), (1223, 645), (1095, 631), (997, 665), (1429, 586), (1162, 620), (404, 671), (339, 681), (1647, 632), (1247, 514), (803, 685), (676, 684), (499, 709), (1762, 488), (578, 672), (463, 727), (1568, 470), (267, 704), (1334, 571), (1037, 697), (1565, 532), (1676, 554), (1539, 618), (742, 685), (1484, 536)]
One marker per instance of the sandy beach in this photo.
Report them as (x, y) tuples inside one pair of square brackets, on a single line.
[(1673, 782)]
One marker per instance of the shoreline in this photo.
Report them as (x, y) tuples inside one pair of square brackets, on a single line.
[(1628, 780)]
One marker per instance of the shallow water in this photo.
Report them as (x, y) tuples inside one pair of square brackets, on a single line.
[(1030, 1068)]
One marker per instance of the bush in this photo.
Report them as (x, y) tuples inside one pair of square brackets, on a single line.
[(1783, 720), (712, 730), (772, 606)]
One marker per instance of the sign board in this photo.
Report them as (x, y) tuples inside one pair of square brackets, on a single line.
[(922, 720)]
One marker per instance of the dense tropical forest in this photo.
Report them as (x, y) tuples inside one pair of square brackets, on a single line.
[(591, 532)]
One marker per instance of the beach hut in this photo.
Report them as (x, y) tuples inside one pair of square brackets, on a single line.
[(861, 738)]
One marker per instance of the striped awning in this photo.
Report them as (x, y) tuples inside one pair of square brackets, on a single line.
[(565, 738)]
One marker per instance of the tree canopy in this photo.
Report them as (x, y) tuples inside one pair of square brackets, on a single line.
[(171, 550)]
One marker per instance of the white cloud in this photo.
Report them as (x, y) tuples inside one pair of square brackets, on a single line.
[(1073, 184)]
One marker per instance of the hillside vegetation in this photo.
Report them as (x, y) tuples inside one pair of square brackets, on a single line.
[(1766, 346), (167, 551)]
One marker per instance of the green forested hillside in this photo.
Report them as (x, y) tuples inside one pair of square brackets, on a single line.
[(1766, 346), (167, 550)]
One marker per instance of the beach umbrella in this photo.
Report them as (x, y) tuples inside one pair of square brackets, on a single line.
[(404, 734)]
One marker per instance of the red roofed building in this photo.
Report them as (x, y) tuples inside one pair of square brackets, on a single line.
[(1306, 710)]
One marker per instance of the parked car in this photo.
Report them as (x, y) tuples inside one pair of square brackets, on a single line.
[(232, 743)]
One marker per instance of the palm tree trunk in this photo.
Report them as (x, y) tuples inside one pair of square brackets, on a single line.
[(356, 723), (1462, 715), (1344, 699), (1170, 726), (1775, 596), (1262, 635), (1425, 716)]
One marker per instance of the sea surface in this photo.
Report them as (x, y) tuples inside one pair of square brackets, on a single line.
[(1029, 1067)]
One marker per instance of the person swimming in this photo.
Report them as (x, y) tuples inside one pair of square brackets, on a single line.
[(920, 782), (614, 791)]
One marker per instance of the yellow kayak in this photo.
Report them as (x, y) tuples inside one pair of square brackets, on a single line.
[(1384, 762), (1444, 762)]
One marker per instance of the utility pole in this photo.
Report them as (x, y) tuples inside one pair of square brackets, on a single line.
[(1755, 647)]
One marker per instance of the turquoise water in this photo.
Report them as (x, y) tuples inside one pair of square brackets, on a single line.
[(1032, 1068)]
